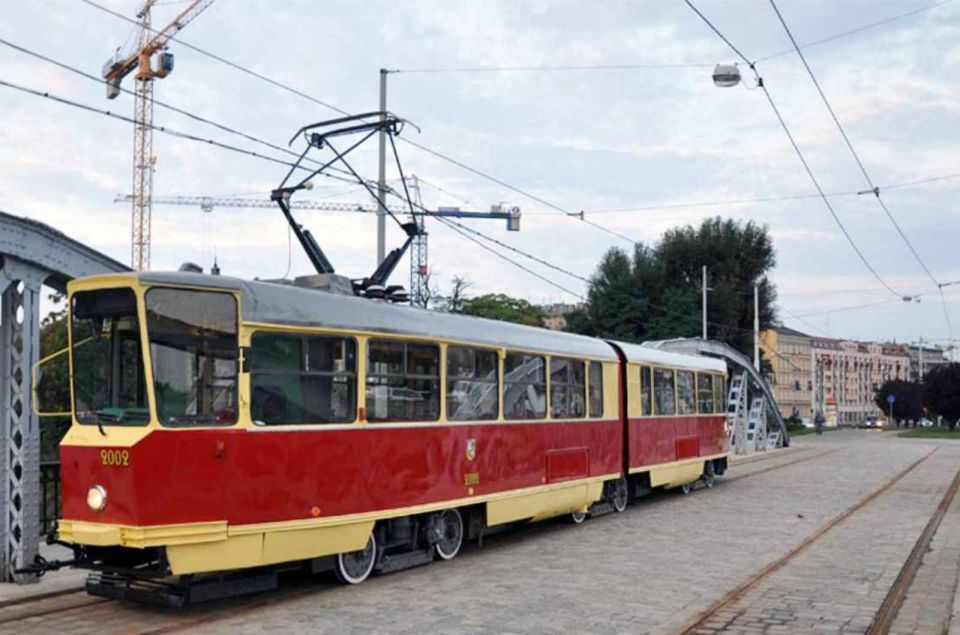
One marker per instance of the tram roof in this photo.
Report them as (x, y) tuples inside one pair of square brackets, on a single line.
[(639, 354), (277, 303)]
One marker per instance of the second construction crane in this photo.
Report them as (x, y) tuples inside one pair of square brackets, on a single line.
[(151, 61)]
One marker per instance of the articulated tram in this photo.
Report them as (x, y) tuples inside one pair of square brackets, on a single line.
[(226, 429)]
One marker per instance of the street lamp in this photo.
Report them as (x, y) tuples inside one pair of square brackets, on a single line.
[(726, 75)]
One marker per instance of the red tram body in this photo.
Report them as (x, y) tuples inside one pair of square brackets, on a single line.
[(223, 425)]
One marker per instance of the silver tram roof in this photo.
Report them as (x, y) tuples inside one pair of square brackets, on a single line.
[(278, 303)]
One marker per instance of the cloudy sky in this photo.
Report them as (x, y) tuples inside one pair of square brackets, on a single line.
[(613, 142)]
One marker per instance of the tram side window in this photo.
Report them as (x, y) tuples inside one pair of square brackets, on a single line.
[(705, 402), (646, 388), (524, 386), (473, 385), (686, 392), (194, 349), (719, 393), (303, 379), (663, 392), (596, 389), (403, 381), (567, 388)]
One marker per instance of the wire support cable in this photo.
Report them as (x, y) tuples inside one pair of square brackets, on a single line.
[(796, 148)]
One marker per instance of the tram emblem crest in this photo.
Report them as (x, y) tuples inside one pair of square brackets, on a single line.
[(471, 449)]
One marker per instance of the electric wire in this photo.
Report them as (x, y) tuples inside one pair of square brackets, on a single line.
[(796, 148), (866, 175), (452, 226), (571, 67), (167, 106), (320, 102), (855, 30)]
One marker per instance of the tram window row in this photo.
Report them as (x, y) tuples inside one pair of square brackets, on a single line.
[(299, 378), (669, 392)]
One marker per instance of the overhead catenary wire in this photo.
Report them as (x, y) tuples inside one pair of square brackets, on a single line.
[(856, 156), (783, 124), (330, 106), (506, 258)]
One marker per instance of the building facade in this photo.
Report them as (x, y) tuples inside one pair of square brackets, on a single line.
[(789, 354), (556, 315), (838, 377), (923, 359)]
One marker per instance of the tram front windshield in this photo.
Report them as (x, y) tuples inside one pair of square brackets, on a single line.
[(108, 377)]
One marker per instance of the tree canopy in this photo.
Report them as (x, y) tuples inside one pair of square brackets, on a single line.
[(654, 293), (909, 399), (497, 306), (942, 392)]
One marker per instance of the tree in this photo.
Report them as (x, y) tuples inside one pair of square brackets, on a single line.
[(656, 293), (53, 387), (453, 303), (497, 306), (737, 256), (908, 404), (942, 392)]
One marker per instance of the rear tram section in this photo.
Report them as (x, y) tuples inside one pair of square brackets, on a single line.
[(225, 429)]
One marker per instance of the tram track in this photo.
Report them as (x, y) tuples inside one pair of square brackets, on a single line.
[(47, 604), (893, 601), (778, 466), (731, 597)]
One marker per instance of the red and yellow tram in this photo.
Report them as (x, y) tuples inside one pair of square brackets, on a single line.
[(223, 425)]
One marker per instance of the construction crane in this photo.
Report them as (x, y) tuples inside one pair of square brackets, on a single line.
[(151, 61), (419, 268)]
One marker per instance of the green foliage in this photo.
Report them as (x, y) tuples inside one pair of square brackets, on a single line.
[(909, 399), (656, 293), (53, 387), (936, 432), (497, 306), (942, 393), (794, 423)]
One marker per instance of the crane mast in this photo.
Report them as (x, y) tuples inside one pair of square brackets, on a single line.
[(149, 43)]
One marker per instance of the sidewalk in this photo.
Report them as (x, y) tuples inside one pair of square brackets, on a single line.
[(63, 580)]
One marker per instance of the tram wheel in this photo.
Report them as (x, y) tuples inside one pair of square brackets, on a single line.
[(686, 488), (709, 474), (620, 494), (355, 567), (577, 518), (450, 528)]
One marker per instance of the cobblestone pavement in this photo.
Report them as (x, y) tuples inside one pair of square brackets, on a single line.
[(660, 565)]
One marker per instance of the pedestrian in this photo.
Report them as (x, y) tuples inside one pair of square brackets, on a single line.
[(818, 422)]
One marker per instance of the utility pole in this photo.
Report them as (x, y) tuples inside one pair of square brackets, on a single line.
[(920, 379), (756, 327), (382, 177), (703, 301)]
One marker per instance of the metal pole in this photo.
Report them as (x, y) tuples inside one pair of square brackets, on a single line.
[(703, 300), (756, 327), (920, 379), (382, 179)]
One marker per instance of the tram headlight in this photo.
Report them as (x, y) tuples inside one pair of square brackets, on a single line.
[(96, 498)]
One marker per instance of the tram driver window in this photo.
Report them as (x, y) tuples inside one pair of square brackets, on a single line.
[(686, 393), (473, 384), (403, 381), (303, 379), (567, 388), (524, 387), (663, 392)]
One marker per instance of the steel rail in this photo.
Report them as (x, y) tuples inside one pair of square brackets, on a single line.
[(892, 603), (700, 619), (31, 609)]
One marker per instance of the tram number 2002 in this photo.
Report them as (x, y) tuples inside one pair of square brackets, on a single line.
[(115, 458)]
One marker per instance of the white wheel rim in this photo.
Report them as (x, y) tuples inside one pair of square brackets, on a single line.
[(450, 542), (620, 503), (347, 563), (578, 517)]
